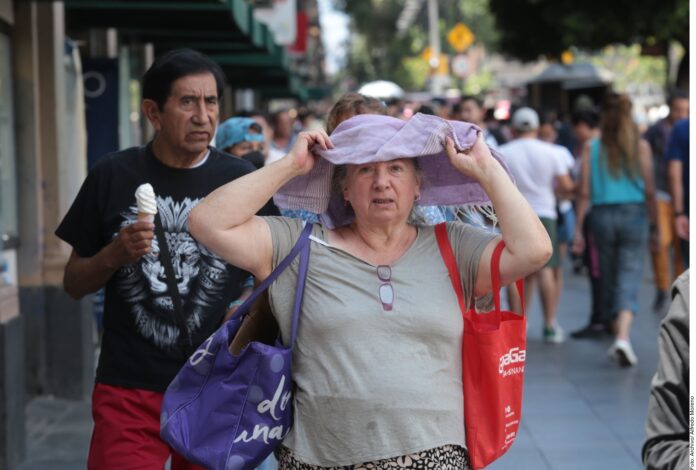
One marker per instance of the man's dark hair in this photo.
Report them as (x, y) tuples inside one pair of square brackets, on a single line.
[(457, 107), (275, 116), (251, 113), (426, 109), (171, 66), (590, 118), (676, 94), (475, 99)]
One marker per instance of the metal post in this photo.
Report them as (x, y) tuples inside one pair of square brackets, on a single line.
[(434, 32)]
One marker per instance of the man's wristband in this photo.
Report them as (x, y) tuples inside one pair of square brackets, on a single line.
[(678, 214)]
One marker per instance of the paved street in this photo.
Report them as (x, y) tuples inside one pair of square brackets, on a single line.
[(580, 410)]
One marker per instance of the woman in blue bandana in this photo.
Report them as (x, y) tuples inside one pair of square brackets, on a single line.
[(243, 138)]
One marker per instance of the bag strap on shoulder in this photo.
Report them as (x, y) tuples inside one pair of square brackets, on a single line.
[(185, 339), (448, 257), (495, 278), (301, 245), (299, 291), (166, 260)]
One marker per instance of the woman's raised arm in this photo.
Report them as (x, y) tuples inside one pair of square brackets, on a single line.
[(224, 221), (527, 245)]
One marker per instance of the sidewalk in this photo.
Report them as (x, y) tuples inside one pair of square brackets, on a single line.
[(58, 433), (581, 411)]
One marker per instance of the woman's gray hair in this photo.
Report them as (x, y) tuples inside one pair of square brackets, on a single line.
[(341, 173)]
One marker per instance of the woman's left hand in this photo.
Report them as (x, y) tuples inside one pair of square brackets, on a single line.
[(472, 162)]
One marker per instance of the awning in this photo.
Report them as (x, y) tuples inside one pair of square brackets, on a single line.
[(575, 74), (223, 29)]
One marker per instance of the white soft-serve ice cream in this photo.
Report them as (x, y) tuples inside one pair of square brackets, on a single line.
[(147, 203)]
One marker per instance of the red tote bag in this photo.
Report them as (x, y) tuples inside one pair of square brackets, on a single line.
[(493, 359)]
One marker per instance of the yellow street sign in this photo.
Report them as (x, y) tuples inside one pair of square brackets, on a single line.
[(460, 37), (567, 57), (440, 66)]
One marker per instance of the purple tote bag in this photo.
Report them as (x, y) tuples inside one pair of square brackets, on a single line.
[(228, 412)]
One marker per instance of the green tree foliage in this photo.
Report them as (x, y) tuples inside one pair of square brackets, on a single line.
[(376, 51), (628, 66), (531, 28)]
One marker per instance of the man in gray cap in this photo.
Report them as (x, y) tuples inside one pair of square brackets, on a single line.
[(540, 171)]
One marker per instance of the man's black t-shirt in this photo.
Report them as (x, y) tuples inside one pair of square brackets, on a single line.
[(140, 347)]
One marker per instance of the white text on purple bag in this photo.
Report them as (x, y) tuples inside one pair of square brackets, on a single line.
[(279, 401)]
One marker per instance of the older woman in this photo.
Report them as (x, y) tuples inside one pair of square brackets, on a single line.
[(377, 361)]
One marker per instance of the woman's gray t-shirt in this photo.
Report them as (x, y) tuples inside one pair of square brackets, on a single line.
[(370, 383)]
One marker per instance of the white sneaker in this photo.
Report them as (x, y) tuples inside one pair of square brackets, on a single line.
[(553, 334), (622, 352)]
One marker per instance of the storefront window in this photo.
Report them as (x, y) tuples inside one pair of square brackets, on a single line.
[(8, 175)]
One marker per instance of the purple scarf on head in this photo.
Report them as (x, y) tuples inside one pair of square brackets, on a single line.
[(368, 138)]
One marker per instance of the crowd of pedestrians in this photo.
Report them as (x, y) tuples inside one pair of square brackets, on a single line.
[(604, 199)]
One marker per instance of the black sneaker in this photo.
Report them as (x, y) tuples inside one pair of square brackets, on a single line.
[(591, 331)]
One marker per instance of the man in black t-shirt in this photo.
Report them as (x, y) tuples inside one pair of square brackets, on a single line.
[(141, 348)]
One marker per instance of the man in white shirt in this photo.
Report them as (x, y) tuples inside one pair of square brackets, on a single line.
[(539, 171)]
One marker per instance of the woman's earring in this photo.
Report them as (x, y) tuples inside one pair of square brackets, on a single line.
[(417, 198), (346, 202)]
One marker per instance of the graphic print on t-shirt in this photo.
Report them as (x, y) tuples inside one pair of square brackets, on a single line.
[(201, 277)]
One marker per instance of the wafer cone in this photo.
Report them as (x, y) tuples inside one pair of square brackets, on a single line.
[(144, 216)]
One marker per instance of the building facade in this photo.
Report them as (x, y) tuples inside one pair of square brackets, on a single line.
[(69, 93)]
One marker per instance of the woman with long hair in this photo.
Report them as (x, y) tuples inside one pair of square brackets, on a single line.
[(616, 180)]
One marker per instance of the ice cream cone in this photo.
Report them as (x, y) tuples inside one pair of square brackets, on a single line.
[(145, 217), (146, 203)]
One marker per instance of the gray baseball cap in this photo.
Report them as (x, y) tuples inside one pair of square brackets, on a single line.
[(525, 119)]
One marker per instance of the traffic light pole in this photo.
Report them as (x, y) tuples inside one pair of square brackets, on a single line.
[(434, 33)]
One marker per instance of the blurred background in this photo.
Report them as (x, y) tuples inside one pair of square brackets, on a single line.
[(70, 93)]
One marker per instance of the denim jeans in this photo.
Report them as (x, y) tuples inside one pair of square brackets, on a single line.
[(621, 235), (269, 464)]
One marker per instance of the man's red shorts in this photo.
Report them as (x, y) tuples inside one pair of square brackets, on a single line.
[(126, 431)]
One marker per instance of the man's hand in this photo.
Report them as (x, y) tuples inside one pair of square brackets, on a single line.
[(578, 244), (133, 242)]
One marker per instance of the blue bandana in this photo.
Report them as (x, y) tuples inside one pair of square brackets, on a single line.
[(236, 130)]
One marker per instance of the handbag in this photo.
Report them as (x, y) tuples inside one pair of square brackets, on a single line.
[(493, 359), (229, 411)]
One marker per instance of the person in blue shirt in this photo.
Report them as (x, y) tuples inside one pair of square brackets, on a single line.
[(617, 179), (678, 170)]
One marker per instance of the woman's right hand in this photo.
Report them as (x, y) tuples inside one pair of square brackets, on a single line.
[(473, 161), (301, 155)]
